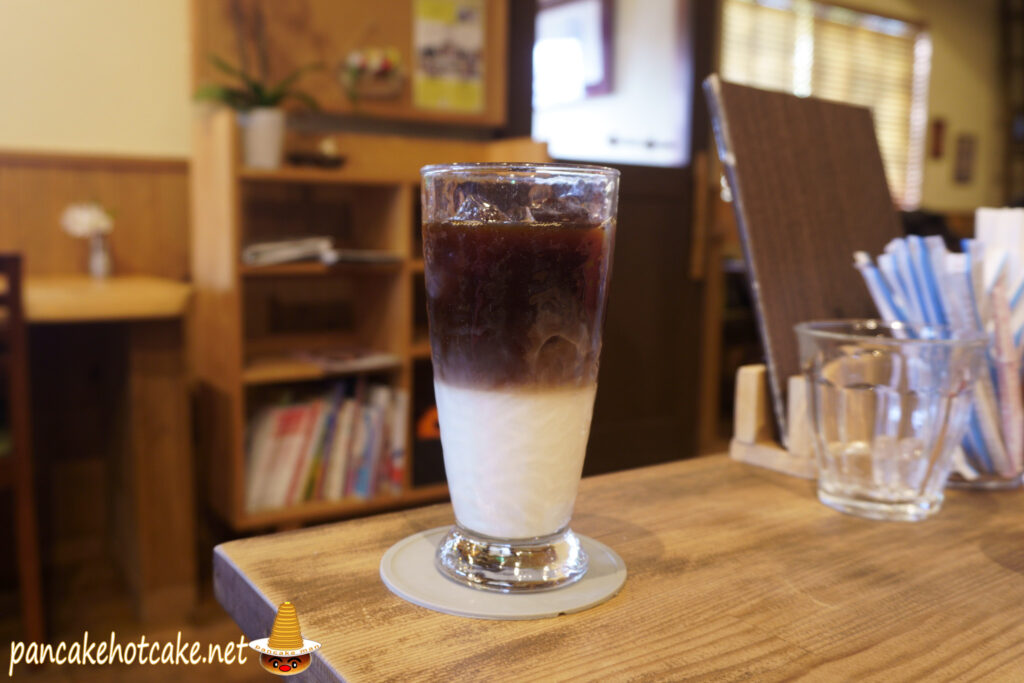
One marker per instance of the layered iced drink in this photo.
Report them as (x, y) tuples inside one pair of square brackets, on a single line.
[(517, 267)]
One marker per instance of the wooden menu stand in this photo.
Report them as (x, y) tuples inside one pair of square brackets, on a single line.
[(753, 440)]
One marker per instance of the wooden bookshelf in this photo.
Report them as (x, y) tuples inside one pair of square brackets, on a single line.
[(242, 343)]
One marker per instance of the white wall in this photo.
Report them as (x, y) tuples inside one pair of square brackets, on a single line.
[(95, 76), (964, 90)]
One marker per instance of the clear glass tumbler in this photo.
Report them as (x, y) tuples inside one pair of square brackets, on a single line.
[(517, 259), (888, 405)]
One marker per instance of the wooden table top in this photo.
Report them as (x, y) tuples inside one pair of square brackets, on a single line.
[(71, 298), (735, 573)]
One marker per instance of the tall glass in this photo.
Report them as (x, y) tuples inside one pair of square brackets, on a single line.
[(889, 404), (517, 260)]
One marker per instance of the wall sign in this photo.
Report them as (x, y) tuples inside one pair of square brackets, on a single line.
[(963, 169)]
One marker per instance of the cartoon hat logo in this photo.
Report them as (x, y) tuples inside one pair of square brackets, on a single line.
[(285, 652)]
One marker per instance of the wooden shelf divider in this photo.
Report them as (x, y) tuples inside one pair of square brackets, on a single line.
[(314, 268), (272, 369), (320, 510), (313, 176), (420, 349)]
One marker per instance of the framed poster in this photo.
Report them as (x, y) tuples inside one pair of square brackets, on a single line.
[(448, 49)]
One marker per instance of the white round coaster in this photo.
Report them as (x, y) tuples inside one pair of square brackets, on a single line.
[(408, 570)]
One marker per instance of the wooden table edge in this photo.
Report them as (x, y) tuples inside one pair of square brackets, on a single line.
[(225, 569)]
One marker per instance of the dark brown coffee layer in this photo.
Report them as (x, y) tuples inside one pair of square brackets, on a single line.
[(516, 304)]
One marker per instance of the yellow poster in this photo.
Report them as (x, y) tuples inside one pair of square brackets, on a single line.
[(448, 43)]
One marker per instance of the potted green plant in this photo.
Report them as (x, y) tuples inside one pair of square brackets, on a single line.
[(257, 100)]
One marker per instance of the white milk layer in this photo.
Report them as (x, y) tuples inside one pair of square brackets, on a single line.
[(513, 458)]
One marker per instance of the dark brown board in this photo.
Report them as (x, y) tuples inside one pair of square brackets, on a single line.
[(808, 190)]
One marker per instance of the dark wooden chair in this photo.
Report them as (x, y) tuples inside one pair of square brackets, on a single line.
[(16, 466)]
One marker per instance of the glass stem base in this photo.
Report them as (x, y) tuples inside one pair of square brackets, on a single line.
[(511, 566)]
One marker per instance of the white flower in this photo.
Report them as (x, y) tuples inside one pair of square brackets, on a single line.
[(86, 219)]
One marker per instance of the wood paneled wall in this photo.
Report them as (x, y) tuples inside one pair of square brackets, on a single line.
[(147, 196)]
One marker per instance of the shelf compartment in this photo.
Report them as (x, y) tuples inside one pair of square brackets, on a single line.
[(357, 312), (320, 510), (353, 216), (284, 368)]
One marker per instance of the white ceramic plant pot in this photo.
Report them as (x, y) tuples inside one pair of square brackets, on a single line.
[(263, 137)]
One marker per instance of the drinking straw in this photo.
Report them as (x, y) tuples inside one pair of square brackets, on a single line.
[(878, 288), (908, 280), (976, 277), (1017, 312), (1009, 384), (956, 295), (987, 411), (937, 256), (922, 267), (977, 443), (1018, 294), (891, 277)]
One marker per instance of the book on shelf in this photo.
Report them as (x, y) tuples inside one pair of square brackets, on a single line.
[(289, 251), (313, 488), (357, 440), (395, 472), (348, 443), (290, 452), (376, 417), (260, 447), (337, 460)]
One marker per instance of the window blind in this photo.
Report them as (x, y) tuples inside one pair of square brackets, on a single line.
[(811, 48)]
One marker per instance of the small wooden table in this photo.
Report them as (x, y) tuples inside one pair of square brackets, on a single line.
[(735, 572), (153, 487), (73, 298)]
